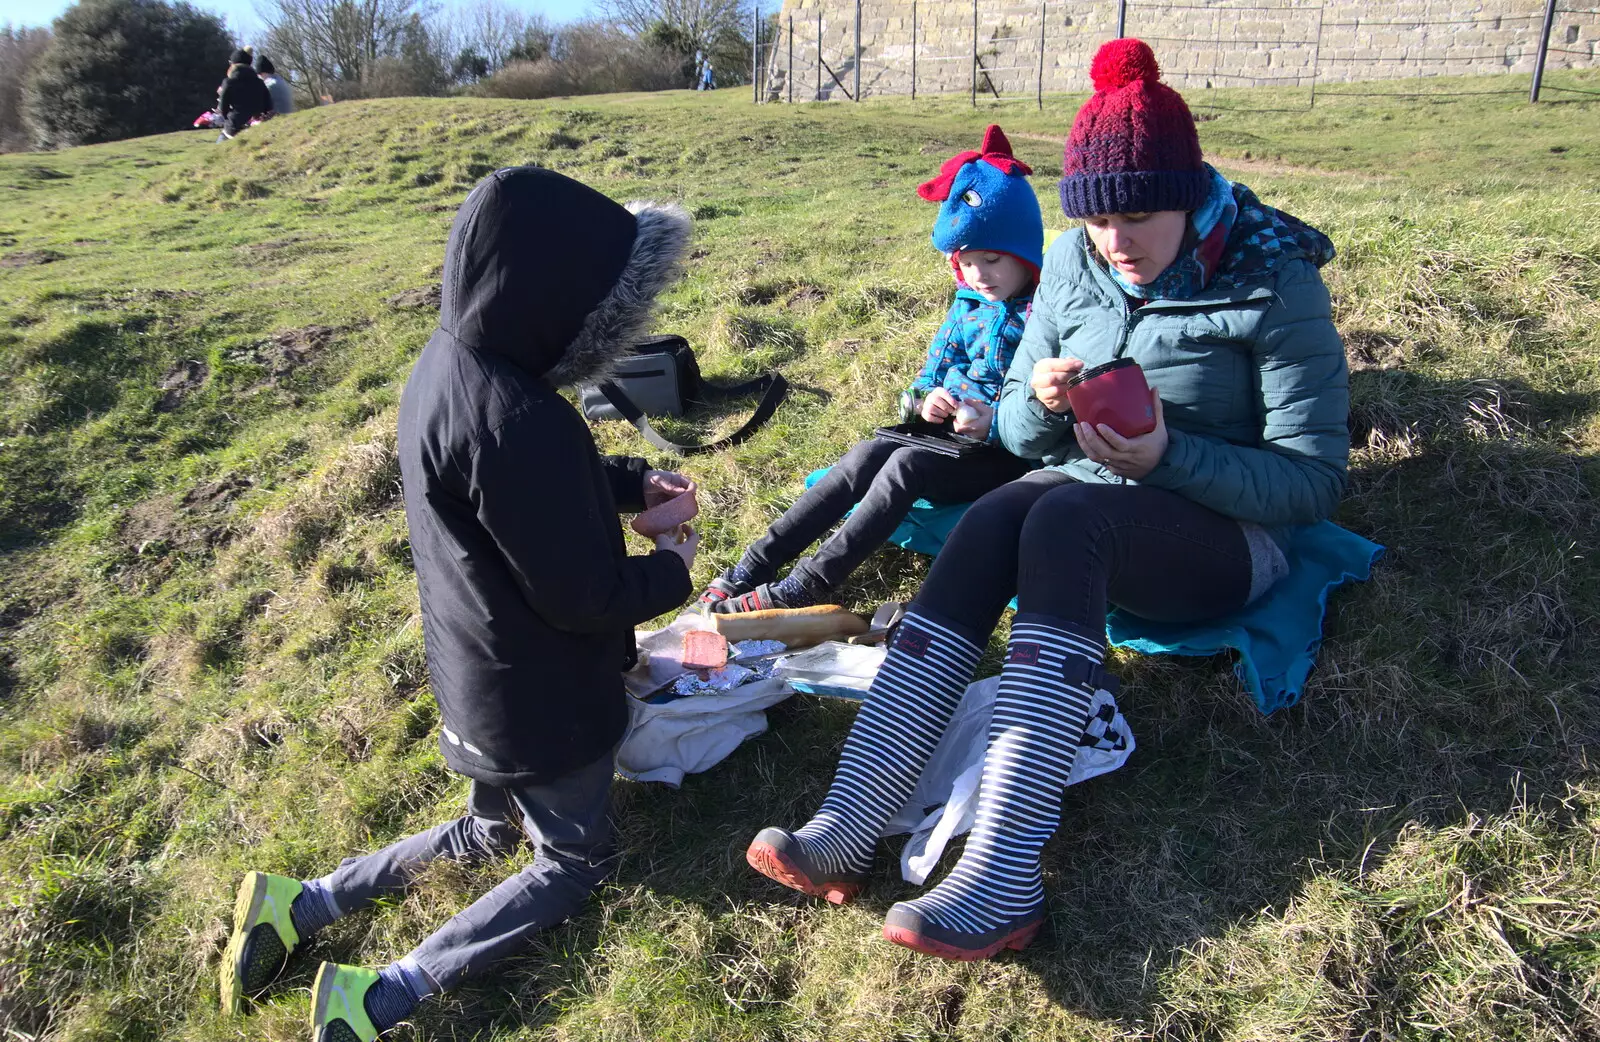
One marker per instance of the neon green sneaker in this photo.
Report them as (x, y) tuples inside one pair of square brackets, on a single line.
[(263, 936), (339, 1007)]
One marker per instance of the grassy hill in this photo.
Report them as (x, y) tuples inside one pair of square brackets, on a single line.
[(210, 657)]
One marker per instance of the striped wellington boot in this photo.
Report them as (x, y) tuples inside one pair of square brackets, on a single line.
[(994, 897), (929, 665)]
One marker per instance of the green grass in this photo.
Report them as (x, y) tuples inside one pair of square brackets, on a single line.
[(210, 658)]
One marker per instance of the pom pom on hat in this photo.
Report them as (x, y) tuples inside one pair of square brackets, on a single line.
[(1122, 62), (1133, 146)]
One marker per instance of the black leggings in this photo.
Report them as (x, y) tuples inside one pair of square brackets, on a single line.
[(1064, 548), (881, 480)]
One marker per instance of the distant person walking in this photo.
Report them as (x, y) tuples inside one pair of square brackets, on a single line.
[(243, 97), (278, 88)]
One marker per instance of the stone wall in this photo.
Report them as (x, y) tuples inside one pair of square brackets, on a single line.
[(1200, 43)]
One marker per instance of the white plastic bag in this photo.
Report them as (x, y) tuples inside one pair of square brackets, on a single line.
[(945, 801), (665, 741), (669, 739)]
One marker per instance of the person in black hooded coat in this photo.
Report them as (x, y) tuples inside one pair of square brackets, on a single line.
[(243, 96), (529, 597)]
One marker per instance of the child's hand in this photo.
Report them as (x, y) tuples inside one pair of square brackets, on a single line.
[(663, 485), (1050, 378), (1132, 458), (939, 406), (974, 418), (683, 541)]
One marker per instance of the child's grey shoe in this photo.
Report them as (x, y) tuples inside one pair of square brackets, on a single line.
[(787, 593), (720, 589)]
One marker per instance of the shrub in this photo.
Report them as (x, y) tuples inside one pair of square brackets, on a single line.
[(395, 78), (588, 58), (122, 68)]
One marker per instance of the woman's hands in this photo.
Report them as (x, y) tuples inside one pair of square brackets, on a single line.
[(1050, 378), (661, 486), (1125, 457), (683, 541)]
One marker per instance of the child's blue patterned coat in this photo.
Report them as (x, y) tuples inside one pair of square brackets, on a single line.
[(971, 352)]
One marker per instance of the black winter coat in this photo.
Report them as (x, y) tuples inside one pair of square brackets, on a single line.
[(243, 98), (529, 597)]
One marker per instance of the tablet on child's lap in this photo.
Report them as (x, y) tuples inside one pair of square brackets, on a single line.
[(934, 437)]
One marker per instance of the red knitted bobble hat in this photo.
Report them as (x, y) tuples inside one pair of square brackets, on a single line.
[(1133, 146)]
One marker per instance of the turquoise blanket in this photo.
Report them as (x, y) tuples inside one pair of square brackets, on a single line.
[(1276, 638)]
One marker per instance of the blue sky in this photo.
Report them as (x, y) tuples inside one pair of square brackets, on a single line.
[(241, 14)]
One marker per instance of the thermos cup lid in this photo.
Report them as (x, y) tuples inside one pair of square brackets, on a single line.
[(1100, 370)]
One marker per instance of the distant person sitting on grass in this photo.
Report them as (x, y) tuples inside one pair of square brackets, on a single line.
[(1217, 296), (990, 229), (243, 96), (529, 597), (277, 87)]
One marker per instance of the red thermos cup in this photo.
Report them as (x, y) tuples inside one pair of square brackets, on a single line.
[(1114, 394)]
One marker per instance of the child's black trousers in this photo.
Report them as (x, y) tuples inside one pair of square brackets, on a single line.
[(885, 479)]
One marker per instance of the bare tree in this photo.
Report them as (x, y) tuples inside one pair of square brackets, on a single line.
[(693, 25), (333, 45), (483, 36), (492, 29)]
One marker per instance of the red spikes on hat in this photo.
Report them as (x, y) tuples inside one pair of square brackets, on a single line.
[(938, 190), (1121, 62), (996, 152), (995, 141)]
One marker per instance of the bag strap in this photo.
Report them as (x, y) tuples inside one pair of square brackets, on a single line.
[(773, 388), (711, 393)]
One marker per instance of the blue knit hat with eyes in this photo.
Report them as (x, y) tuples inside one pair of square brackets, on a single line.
[(986, 203)]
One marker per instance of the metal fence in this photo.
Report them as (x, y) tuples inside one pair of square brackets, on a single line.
[(939, 47)]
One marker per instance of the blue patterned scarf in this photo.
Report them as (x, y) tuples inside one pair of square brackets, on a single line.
[(1236, 240)]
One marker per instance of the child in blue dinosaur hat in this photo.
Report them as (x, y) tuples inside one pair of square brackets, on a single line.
[(990, 228)]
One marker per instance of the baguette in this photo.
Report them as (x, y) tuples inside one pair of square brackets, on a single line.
[(795, 627)]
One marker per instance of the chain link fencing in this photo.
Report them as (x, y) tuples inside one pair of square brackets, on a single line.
[(1020, 51)]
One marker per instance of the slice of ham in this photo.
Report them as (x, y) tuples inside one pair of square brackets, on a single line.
[(704, 651), (664, 517)]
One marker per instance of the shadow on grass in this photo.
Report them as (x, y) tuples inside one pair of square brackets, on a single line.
[(1444, 697), (1452, 689), (1448, 692)]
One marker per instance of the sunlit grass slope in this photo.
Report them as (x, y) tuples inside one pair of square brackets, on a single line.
[(210, 658)]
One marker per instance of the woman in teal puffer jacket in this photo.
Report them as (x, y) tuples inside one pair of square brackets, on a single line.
[(1219, 300)]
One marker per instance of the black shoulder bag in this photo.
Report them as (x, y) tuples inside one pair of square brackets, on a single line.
[(662, 378)]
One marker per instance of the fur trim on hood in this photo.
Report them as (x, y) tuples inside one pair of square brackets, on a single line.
[(555, 276), (622, 319)]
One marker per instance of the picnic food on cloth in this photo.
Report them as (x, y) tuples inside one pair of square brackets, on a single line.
[(704, 651), (664, 517), (796, 627)]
